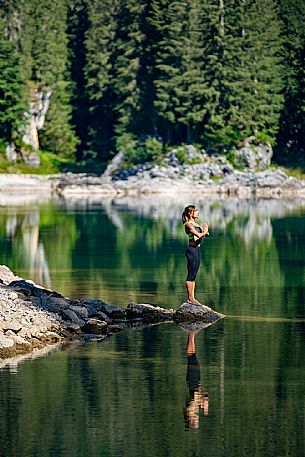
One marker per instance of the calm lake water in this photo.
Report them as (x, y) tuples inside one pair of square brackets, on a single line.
[(139, 393)]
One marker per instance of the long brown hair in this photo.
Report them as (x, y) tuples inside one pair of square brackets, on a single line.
[(188, 213)]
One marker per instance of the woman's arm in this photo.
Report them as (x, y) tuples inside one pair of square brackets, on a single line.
[(194, 231)]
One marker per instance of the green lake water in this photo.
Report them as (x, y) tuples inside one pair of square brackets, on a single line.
[(138, 393)]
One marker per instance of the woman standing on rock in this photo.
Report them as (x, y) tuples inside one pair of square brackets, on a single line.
[(192, 253)]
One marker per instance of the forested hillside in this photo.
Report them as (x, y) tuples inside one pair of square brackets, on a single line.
[(84, 78)]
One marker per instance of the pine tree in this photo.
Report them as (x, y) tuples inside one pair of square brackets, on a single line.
[(98, 72), (167, 18), (77, 26), (127, 64), (50, 72), (264, 60), (190, 84), (187, 79), (11, 82), (292, 127), (250, 98)]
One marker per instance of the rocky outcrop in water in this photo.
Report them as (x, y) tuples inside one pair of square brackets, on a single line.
[(188, 313), (32, 317)]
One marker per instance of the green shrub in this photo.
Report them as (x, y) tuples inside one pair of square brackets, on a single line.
[(128, 144), (139, 151), (154, 149), (52, 163), (264, 138), (181, 154), (3, 145)]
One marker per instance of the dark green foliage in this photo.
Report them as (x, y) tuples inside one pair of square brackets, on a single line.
[(77, 25), (292, 126), (139, 151), (38, 29), (50, 72), (127, 63), (57, 135), (248, 71), (98, 75), (11, 86), (178, 71)]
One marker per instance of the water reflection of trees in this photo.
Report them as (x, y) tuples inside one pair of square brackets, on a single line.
[(128, 394), (22, 231)]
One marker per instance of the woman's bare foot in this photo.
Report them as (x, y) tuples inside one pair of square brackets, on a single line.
[(194, 302)]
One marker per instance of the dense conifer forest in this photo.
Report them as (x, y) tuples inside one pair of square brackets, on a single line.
[(153, 73)]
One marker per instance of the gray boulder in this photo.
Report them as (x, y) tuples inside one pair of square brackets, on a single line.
[(103, 317), (90, 309), (32, 159), (276, 179), (31, 289), (95, 326), (188, 313), (71, 316), (254, 156), (114, 312), (5, 342), (114, 165), (11, 152), (148, 312), (80, 311)]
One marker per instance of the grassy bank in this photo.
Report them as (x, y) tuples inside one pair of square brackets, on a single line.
[(52, 164)]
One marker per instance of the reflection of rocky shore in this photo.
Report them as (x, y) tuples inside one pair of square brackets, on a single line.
[(23, 198), (254, 215), (25, 228)]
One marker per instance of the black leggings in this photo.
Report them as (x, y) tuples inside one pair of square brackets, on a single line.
[(192, 254)]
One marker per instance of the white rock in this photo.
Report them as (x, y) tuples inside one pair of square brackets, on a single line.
[(5, 342)]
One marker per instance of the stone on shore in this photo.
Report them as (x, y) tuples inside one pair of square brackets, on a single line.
[(148, 312), (113, 312), (95, 326), (5, 342), (32, 317), (182, 167), (188, 313)]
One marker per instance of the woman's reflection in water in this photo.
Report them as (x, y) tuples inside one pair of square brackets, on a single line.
[(195, 400)]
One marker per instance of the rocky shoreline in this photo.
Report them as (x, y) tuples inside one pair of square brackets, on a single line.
[(181, 171), (158, 180), (33, 318)]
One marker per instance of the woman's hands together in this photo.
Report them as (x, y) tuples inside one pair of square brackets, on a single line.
[(205, 229)]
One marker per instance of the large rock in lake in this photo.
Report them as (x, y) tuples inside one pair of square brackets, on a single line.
[(188, 313)]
